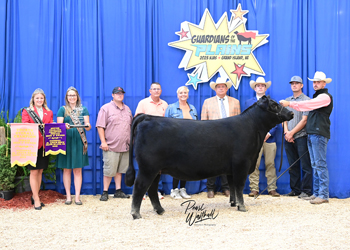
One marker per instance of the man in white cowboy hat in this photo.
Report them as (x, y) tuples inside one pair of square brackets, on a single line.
[(218, 107), (268, 149), (318, 130), (295, 143)]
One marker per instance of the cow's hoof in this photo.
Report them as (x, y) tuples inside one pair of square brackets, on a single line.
[(242, 208), (233, 204), (160, 211), (136, 216)]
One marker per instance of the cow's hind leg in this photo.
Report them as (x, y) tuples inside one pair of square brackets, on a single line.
[(232, 191), (239, 196), (238, 182), (141, 185), (153, 195)]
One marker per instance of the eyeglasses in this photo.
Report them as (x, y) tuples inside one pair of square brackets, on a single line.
[(156, 89), (71, 95)]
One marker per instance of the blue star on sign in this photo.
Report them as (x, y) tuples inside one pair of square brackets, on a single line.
[(194, 80)]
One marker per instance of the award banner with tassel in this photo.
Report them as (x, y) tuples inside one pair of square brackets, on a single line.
[(24, 144), (55, 138)]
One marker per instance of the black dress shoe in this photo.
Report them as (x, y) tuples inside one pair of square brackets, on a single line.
[(41, 204), (37, 208), (292, 194)]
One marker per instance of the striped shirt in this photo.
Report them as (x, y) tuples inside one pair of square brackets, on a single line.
[(298, 115)]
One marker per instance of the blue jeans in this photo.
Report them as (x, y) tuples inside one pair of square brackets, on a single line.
[(317, 145), (300, 178)]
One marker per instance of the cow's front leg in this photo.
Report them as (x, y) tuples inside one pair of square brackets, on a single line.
[(153, 195)]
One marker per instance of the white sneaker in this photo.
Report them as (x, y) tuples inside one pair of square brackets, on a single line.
[(175, 194), (160, 196), (184, 194)]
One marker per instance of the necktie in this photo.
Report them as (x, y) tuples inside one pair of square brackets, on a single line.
[(223, 111)]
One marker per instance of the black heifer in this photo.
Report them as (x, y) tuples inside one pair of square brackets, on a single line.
[(195, 150), (243, 38)]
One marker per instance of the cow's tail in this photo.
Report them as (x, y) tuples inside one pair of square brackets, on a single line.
[(130, 173)]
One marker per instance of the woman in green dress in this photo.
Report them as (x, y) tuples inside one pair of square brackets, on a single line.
[(73, 113)]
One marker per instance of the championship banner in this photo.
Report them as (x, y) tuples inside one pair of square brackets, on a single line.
[(225, 47), (55, 138), (24, 144)]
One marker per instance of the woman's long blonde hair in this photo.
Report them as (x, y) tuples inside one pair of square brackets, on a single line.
[(31, 102), (68, 109)]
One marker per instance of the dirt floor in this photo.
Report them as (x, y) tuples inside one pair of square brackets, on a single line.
[(270, 223)]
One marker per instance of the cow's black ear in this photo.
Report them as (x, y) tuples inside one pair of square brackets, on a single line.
[(263, 102), (264, 98)]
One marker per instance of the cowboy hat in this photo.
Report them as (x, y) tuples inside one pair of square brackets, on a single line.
[(320, 76), (260, 80), (220, 81)]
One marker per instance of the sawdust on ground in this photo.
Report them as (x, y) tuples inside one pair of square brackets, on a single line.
[(270, 223)]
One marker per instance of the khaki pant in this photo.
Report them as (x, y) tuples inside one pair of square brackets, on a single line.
[(269, 150), (115, 162)]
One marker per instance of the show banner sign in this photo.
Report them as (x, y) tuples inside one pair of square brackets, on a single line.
[(55, 139), (24, 144), (226, 47)]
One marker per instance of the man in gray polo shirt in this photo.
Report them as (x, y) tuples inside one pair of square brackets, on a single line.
[(296, 144), (113, 126)]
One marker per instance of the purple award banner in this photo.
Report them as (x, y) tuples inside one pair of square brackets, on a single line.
[(55, 138)]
